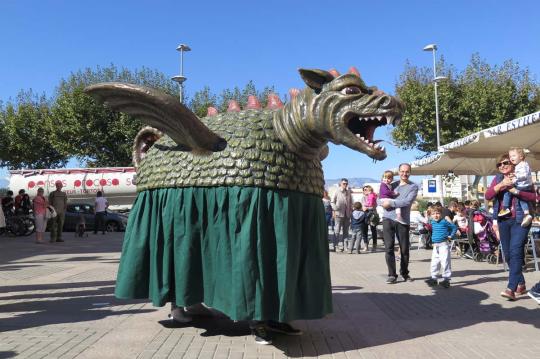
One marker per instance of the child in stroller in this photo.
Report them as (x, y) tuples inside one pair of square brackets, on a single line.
[(483, 242)]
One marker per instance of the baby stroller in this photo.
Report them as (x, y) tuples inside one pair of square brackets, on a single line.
[(483, 243)]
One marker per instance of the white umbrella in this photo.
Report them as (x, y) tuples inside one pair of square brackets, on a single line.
[(476, 154)]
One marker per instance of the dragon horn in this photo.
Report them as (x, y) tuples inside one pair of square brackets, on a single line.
[(274, 102), (293, 92), (233, 106), (334, 72), (253, 103), (353, 70), (211, 111)]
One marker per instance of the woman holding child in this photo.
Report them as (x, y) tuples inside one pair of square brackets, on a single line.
[(511, 232)]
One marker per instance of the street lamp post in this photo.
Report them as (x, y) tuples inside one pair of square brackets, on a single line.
[(181, 78), (436, 79)]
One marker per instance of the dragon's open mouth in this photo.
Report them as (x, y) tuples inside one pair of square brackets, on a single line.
[(364, 128)]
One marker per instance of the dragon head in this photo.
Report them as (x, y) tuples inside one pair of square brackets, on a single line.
[(342, 110)]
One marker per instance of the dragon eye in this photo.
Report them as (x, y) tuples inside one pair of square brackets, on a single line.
[(352, 90)]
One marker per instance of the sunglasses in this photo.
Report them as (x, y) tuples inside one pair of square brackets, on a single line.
[(503, 163)]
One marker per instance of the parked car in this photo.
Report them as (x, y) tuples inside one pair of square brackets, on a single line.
[(114, 222)]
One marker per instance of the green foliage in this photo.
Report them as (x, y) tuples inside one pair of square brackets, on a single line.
[(89, 131), (205, 98), (201, 101), (422, 205), (478, 97), (41, 133), (24, 134)]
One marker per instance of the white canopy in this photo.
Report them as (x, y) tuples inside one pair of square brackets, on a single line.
[(476, 154)]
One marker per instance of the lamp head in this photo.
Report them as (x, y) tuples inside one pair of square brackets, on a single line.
[(179, 79), (440, 78), (183, 47), (430, 47)]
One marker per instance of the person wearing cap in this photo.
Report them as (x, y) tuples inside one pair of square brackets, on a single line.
[(58, 199)]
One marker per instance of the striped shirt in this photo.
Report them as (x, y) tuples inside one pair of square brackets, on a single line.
[(441, 230)]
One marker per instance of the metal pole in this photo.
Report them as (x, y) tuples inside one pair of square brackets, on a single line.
[(180, 78), (439, 177), (182, 74), (436, 101)]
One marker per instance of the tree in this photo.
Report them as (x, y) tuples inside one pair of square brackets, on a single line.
[(205, 98), (479, 97), (84, 129), (201, 101), (24, 134), (40, 133)]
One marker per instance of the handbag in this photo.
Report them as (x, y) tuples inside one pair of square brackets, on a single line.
[(50, 212)]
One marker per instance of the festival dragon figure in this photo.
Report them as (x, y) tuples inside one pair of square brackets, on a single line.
[(229, 211)]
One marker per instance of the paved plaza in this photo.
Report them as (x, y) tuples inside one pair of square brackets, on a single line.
[(56, 301)]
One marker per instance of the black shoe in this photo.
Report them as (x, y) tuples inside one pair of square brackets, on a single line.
[(407, 278), (261, 335), (432, 282), (445, 283), (59, 240), (282, 328), (391, 279)]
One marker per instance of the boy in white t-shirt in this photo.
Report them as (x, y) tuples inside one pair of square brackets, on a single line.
[(522, 179)]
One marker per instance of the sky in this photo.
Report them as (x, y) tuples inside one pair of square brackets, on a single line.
[(234, 42)]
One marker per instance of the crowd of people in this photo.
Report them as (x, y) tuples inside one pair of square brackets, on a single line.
[(513, 195), (49, 210)]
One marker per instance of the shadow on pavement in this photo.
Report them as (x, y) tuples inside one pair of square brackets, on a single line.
[(406, 316), (7, 354), (345, 287), (59, 303), (363, 320), (19, 248), (213, 326)]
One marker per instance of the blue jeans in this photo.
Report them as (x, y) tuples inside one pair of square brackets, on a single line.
[(329, 220), (513, 239), (507, 200)]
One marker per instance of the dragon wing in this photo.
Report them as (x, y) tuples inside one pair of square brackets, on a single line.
[(158, 110)]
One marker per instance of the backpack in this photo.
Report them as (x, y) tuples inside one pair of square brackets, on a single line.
[(373, 218), (26, 205)]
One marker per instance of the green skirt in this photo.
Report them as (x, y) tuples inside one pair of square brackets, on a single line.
[(251, 253)]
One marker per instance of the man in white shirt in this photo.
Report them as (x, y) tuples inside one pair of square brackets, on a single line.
[(100, 211)]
